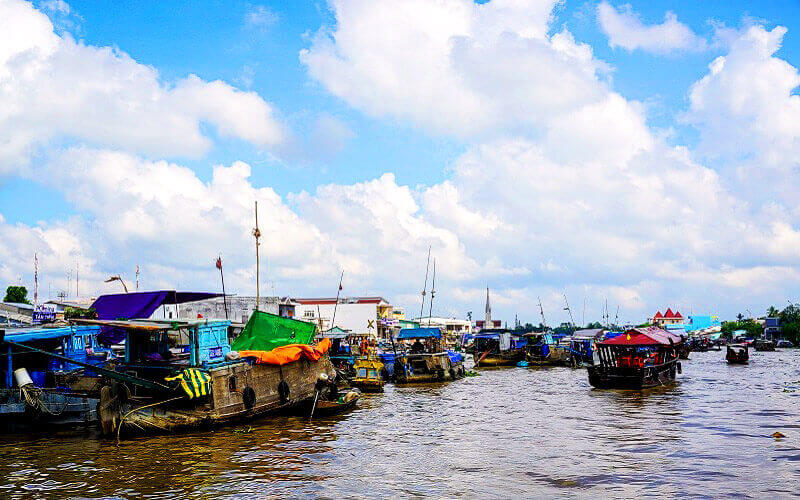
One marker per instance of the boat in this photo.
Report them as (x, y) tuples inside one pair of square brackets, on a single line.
[(344, 402), (638, 359), (498, 347), (180, 375), (782, 344), (763, 345), (542, 350), (737, 354), (50, 377), (369, 374), (422, 358)]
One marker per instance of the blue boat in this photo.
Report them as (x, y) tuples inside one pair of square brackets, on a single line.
[(498, 347), (39, 390), (422, 357)]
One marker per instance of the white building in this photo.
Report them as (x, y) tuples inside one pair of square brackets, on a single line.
[(450, 325), (358, 315)]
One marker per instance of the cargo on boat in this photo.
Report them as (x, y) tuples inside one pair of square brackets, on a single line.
[(180, 375), (638, 359), (498, 347), (423, 358)]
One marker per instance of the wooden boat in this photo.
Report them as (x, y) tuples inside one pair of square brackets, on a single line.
[(638, 359), (369, 374), (737, 354), (345, 402), (542, 350), (49, 378), (498, 347), (181, 375), (427, 361), (763, 345)]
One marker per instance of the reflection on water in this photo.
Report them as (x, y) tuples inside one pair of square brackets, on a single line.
[(508, 432)]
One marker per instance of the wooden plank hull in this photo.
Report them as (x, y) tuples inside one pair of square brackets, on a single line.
[(508, 358), (239, 391), (643, 378)]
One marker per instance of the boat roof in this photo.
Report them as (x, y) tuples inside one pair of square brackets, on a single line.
[(651, 335), (150, 325), (142, 304), (419, 333), (29, 334)]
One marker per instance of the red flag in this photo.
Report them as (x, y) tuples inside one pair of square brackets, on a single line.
[(219, 263)]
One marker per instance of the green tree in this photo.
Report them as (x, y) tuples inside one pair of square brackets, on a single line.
[(18, 294), (773, 312)]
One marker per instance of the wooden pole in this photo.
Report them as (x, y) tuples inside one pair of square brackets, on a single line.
[(336, 305), (257, 235), (222, 278)]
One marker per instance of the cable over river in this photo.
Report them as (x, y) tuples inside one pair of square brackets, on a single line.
[(506, 433)]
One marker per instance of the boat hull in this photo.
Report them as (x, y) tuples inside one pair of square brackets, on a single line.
[(633, 379), (257, 390), (53, 409), (510, 358), (367, 385), (425, 368)]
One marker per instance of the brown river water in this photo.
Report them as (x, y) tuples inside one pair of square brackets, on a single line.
[(506, 433)]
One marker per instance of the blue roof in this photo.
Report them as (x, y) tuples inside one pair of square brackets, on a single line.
[(28, 334), (419, 333)]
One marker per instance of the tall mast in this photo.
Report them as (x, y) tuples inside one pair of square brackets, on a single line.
[(35, 279), (541, 311), (336, 305), (137, 277), (571, 319), (257, 235), (425, 288), (433, 292)]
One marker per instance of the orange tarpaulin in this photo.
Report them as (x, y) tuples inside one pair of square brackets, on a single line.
[(286, 354)]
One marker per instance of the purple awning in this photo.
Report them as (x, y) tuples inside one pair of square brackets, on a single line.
[(138, 305)]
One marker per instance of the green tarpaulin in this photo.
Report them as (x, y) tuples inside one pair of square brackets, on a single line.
[(265, 332)]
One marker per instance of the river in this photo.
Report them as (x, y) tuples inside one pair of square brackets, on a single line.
[(506, 433)]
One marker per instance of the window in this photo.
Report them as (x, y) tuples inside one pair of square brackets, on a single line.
[(232, 383), (308, 314)]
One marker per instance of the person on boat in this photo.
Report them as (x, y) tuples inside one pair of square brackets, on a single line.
[(417, 347), (326, 386)]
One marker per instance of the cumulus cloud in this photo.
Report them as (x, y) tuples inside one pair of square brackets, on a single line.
[(454, 67), (52, 88), (625, 29)]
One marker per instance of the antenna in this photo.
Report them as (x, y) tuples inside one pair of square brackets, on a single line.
[(257, 235), (137, 278), (425, 288), (433, 291), (616, 316)]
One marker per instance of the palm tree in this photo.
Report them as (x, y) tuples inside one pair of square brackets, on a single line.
[(773, 312)]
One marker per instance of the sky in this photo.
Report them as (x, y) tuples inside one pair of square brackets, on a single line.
[(642, 154)]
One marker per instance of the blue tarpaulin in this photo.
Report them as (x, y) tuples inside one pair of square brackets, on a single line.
[(455, 357), (419, 333)]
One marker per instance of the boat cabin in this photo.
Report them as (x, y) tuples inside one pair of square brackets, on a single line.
[(496, 347), (737, 354), (424, 357)]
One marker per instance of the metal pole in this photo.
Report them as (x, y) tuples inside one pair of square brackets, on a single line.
[(257, 235), (424, 288), (224, 297)]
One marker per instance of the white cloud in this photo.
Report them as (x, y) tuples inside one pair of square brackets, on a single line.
[(625, 29), (454, 66), (52, 87), (259, 17)]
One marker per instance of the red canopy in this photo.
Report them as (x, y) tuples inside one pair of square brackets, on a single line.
[(658, 315), (651, 335)]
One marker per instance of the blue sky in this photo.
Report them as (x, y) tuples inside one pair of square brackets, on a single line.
[(336, 135), (212, 40)]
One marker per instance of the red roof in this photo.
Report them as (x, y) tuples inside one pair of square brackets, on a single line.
[(651, 335), (658, 315), (678, 315), (669, 313)]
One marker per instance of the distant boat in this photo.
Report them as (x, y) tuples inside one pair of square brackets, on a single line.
[(542, 350), (368, 374), (638, 359), (498, 347), (425, 359), (737, 354)]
